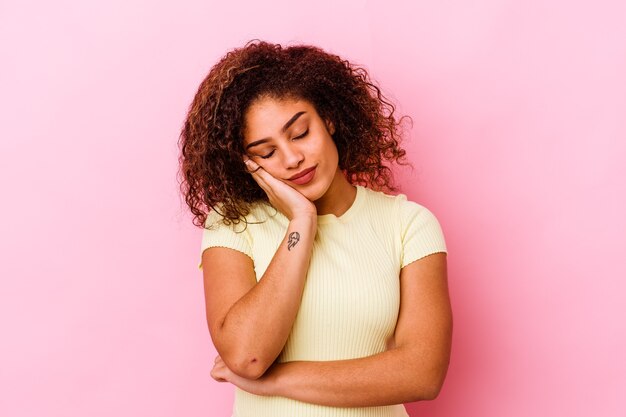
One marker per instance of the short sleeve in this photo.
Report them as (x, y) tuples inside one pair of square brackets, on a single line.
[(218, 234), (421, 232)]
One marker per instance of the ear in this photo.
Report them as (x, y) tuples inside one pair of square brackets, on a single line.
[(330, 127)]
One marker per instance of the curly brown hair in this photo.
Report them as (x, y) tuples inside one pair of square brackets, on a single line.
[(367, 134)]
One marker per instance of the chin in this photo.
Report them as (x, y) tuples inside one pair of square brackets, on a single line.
[(310, 195), (315, 191)]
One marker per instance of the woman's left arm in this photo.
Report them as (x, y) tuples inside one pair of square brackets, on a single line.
[(412, 370)]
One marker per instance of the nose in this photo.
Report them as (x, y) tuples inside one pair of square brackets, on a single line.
[(293, 156)]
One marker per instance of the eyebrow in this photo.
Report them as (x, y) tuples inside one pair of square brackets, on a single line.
[(284, 129)]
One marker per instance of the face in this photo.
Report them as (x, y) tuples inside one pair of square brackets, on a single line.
[(291, 142)]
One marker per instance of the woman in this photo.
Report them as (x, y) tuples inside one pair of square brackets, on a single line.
[(325, 295)]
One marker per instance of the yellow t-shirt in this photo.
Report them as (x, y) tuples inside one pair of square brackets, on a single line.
[(351, 297)]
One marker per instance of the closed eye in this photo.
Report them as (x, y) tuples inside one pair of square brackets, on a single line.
[(268, 155), (306, 132)]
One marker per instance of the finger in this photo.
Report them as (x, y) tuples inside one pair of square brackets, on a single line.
[(217, 376), (218, 372), (251, 166), (262, 182), (254, 168), (261, 177)]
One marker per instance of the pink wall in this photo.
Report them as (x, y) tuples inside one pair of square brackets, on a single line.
[(518, 146)]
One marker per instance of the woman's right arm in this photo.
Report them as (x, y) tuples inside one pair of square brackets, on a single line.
[(250, 322)]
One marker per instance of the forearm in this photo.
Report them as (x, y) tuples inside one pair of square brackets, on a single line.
[(392, 377), (257, 326)]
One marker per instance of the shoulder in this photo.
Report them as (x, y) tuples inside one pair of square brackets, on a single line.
[(238, 235), (397, 206), (260, 212), (408, 217), (380, 200), (409, 209)]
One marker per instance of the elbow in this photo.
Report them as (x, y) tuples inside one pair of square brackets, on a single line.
[(431, 392), (430, 388), (247, 367), (425, 392), (243, 362), (249, 372)]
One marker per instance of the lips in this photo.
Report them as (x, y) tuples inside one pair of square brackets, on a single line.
[(304, 177), (302, 173)]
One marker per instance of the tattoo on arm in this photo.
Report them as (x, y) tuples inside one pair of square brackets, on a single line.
[(294, 237)]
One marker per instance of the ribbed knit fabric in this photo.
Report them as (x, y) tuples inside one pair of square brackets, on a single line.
[(351, 297)]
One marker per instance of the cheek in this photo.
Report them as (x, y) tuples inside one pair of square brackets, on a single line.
[(330, 151), (325, 146), (270, 166)]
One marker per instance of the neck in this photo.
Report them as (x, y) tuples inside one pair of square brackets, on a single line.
[(338, 198)]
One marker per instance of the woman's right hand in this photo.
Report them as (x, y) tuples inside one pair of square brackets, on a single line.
[(282, 196)]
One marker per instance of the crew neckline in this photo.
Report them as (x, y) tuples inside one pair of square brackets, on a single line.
[(352, 210)]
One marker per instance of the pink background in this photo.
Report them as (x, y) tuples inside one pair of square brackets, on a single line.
[(518, 146)]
